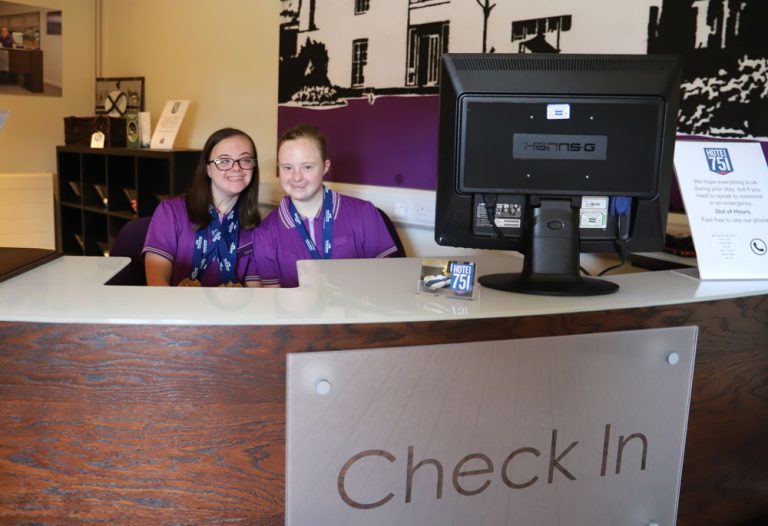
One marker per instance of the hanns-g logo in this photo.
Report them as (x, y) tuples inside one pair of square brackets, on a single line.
[(472, 473), (560, 146)]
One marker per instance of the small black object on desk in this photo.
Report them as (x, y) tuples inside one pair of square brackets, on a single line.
[(15, 261)]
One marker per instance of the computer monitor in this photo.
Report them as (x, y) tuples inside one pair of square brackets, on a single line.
[(553, 155)]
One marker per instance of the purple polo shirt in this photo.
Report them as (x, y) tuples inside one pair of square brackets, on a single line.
[(358, 232), (172, 235)]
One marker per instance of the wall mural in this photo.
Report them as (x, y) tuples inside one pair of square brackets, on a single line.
[(367, 71), (725, 93), (30, 50)]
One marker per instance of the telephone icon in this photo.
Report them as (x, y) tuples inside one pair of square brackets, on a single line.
[(758, 246)]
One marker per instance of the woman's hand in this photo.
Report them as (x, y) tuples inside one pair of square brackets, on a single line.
[(187, 282)]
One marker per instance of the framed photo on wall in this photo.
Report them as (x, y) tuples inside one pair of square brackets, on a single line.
[(116, 96), (53, 19)]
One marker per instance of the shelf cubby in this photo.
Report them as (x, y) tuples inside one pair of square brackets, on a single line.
[(71, 222), (69, 182), (100, 190), (122, 184), (95, 234)]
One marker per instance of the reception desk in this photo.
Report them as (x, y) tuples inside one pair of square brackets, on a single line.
[(159, 405), (27, 62)]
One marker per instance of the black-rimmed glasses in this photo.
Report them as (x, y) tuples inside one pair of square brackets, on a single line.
[(226, 163)]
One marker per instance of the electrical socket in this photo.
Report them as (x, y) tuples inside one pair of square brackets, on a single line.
[(424, 213), (400, 210)]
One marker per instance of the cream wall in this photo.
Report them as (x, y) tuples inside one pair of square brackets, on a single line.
[(36, 123), (223, 56), (220, 55)]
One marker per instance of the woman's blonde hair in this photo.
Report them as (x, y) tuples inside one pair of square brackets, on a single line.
[(305, 131)]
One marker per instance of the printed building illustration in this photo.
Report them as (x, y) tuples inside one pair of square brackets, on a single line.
[(726, 63), (395, 46)]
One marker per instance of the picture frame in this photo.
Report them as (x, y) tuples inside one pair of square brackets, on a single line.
[(116, 96), (53, 22)]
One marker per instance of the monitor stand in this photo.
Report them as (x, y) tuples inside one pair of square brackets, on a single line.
[(551, 260)]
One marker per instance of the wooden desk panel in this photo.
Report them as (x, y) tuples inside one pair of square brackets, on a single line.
[(160, 424), (27, 62)]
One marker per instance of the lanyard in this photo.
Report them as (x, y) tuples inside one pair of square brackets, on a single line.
[(220, 246), (327, 226)]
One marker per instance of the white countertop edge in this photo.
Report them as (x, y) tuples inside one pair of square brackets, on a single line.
[(70, 290)]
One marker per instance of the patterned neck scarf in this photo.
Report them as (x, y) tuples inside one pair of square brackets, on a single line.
[(217, 242), (327, 249)]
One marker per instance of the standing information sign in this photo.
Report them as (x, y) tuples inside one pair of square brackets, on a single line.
[(724, 186)]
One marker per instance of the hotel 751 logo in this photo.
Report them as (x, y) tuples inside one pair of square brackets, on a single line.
[(718, 160)]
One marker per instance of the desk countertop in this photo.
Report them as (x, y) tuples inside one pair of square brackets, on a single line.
[(71, 290)]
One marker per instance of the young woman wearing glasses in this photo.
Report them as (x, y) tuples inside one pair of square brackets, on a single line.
[(204, 238)]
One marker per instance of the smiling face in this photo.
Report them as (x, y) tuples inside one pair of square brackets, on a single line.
[(227, 184), (301, 167)]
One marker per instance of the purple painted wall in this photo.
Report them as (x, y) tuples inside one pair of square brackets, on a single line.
[(392, 142)]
